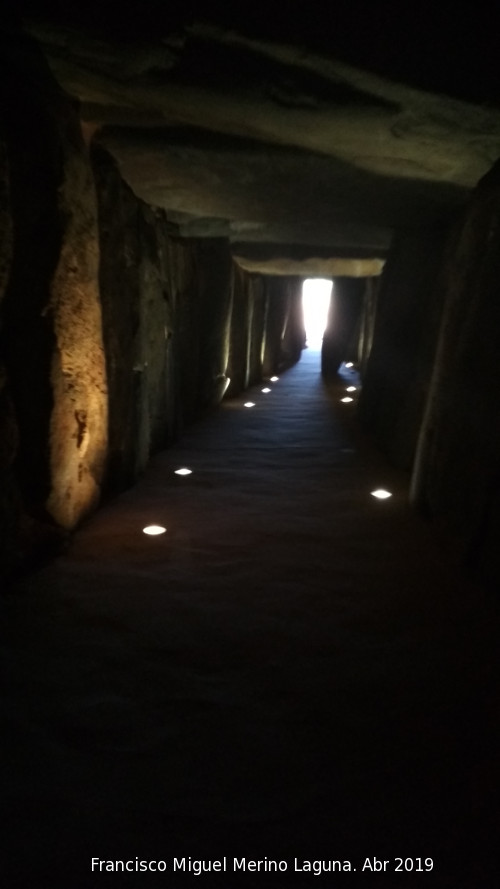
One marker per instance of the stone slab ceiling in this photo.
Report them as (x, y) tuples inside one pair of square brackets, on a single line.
[(290, 152)]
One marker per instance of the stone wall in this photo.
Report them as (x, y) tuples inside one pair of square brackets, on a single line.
[(33, 227), (166, 315), (79, 416), (258, 321), (456, 478), (114, 332), (431, 382), (183, 325), (216, 275), (366, 330), (294, 334), (53, 377), (397, 373), (284, 336), (340, 340), (240, 333), (9, 499)]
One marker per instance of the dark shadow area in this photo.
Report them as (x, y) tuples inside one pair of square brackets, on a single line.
[(435, 47), (294, 670)]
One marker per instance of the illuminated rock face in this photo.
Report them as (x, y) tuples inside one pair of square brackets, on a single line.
[(79, 421), (55, 381), (53, 393), (114, 333)]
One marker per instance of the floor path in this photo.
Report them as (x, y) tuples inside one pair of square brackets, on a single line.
[(293, 670)]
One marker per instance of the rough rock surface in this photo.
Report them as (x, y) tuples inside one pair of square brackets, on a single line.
[(95, 287), (292, 156), (285, 336), (51, 337), (257, 140), (340, 340), (397, 375), (457, 473), (79, 417)]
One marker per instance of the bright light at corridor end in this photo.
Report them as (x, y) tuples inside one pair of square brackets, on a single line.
[(153, 530), (381, 494), (316, 296), (183, 471)]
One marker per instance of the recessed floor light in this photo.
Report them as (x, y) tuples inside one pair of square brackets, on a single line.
[(349, 364), (249, 403), (351, 389), (183, 471), (274, 379), (381, 494), (346, 399), (265, 390), (154, 530)]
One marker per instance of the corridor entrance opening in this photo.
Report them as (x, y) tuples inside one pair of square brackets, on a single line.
[(316, 296)]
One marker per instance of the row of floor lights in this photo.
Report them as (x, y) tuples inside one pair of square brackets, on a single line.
[(380, 493), (348, 398), (265, 390), (156, 530)]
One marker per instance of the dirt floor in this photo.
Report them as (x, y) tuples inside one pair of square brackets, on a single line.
[(293, 671)]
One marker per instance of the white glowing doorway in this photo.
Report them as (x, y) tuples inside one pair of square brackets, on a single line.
[(316, 296)]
